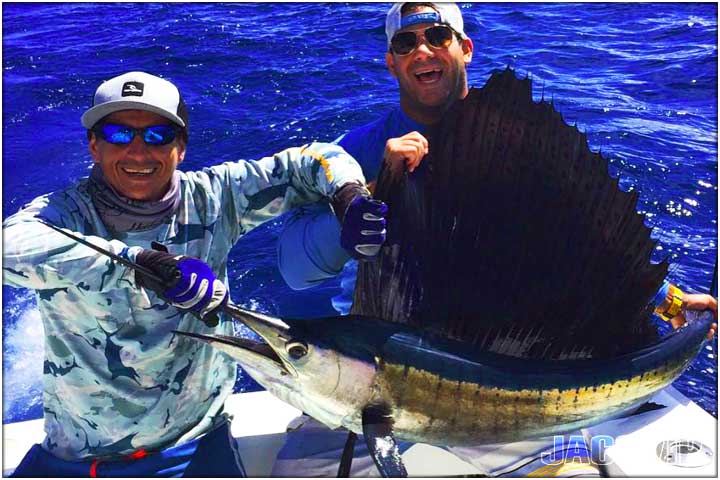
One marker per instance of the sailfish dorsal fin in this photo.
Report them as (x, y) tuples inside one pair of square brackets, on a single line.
[(513, 237)]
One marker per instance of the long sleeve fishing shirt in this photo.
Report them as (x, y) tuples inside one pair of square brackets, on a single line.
[(116, 379)]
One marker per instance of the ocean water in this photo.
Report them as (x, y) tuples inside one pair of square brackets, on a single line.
[(641, 79)]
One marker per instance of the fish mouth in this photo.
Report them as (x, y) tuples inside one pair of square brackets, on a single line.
[(258, 355)]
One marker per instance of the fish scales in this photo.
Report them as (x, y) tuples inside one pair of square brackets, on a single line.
[(444, 392), (481, 409), (428, 407)]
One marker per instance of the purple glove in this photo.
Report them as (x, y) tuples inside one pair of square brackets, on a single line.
[(363, 222), (187, 283)]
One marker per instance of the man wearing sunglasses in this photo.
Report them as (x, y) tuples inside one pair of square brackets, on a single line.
[(428, 52), (123, 395)]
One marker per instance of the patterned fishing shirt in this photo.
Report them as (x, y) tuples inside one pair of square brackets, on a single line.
[(116, 379)]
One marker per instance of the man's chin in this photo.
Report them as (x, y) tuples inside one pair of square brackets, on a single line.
[(428, 103), (139, 193), (139, 188), (435, 100), (438, 95), (432, 95)]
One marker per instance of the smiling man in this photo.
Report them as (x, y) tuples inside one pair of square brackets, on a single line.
[(428, 53), (123, 395), (136, 172)]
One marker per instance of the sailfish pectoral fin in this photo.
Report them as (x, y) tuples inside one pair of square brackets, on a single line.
[(378, 431)]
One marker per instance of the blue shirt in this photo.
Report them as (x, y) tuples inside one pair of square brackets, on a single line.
[(317, 230), (367, 143)]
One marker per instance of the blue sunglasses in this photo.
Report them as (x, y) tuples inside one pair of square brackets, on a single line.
[(123, 135)]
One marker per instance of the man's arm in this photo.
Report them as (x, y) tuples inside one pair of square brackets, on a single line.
[(309, 250), (35, 256), (671, 303), (42, 257), (253, 192)]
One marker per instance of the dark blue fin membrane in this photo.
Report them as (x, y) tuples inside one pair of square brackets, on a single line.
[(377, 430), (512, 236)]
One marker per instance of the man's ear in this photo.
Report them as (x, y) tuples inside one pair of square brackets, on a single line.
[(467, 47), (93, 148), (181, 150), (390, 62)]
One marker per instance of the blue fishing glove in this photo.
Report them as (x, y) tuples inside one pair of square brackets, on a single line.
[(185, 282), (363, 221)]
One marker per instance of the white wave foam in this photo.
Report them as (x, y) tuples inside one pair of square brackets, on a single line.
[(23, 365)]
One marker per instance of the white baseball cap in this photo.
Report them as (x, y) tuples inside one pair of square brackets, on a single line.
[(445, 13), (137, 91)]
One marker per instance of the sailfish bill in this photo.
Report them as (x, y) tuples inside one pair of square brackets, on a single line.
[(510, 301)]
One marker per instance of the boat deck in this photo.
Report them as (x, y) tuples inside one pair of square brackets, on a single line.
[(260, 421)]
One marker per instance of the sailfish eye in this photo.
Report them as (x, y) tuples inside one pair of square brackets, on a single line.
[(296, 349)]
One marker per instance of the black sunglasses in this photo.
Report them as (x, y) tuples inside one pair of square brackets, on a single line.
[(123, 134), (439, 36)]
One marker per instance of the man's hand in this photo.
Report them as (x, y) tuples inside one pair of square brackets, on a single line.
[(363, 221), (408, 150), (187, 283), (363, 231), (698, 302)]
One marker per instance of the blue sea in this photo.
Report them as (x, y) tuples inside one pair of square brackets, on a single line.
[(640, 78)]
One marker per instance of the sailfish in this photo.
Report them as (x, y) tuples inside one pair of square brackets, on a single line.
[(510, 301)]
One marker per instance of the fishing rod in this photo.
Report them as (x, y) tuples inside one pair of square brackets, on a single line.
[(145, 271), (210, 320)]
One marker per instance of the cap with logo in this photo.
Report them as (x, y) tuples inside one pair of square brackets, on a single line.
[(445, 13), (137, 91)]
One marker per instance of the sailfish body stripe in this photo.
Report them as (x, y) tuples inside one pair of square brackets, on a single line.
[(427, 406)]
